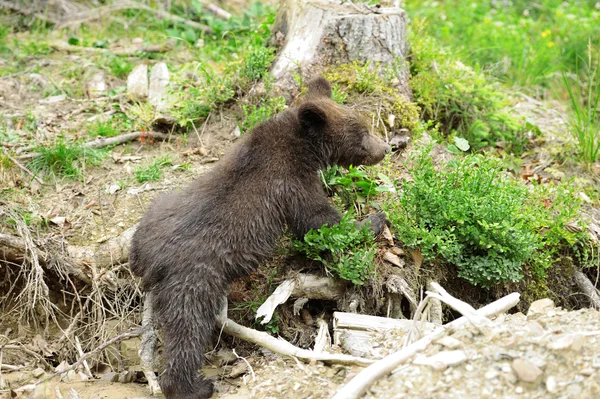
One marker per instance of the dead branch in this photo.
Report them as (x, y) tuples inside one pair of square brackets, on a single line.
[(363, 380), (28, 351), (284, 348), (105, 142), (218, 11), (14, 249), (123, 52), (124, 138), (148, 345), (128, 334), (302, 286), (100, 12), (24, 169), (586, 287)]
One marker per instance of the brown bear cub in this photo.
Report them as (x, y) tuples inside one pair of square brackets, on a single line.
[(192, 244)]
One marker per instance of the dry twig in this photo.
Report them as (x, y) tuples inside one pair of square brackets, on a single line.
[(24, 169)]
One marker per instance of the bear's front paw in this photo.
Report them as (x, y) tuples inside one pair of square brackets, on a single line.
[(376, 222)]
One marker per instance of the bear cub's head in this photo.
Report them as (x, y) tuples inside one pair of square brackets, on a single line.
[(336, 130)]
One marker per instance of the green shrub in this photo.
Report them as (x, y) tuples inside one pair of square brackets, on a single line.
[(344, 249), (471, 214), (462, 100)]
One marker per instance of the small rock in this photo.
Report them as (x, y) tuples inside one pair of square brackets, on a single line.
[(238, 369), (127, 376), (159, 79), (226, 356), (587, 372), (450, 342), (567, 341), (551, 384), (519, 389), (526, 371), (399, 142), (573, 390), (37, 373), (96, 86), (129, 351), (137, 40), (541, 306), (491, 374), (199, 43), (137, 83), (110, 377), (113, 188), (535, 328), (236, 132), (443, 359)]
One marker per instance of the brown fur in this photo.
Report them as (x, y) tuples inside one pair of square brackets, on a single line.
[(192, 244)]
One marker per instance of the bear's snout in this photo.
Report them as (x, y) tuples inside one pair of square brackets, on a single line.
[(376, 149)]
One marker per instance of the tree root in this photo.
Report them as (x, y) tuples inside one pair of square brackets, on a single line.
[(587, 288)]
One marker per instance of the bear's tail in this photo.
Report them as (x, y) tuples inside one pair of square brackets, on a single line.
[(185, 308)]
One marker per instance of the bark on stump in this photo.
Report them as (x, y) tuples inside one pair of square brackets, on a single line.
[(313, 34)]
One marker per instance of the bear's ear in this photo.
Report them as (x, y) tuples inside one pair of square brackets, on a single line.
[(319, 87), (311, 115)]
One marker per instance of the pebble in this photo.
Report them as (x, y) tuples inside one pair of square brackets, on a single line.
[(540, 307), (573, 390), (37, 373), (566, 341), (551, 384), (519, 389), (111, 377), (526, 371), (491, 374), (443, 359), (450, 342), (535, 328)]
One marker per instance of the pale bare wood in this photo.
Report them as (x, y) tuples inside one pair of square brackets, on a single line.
[(363, 380)]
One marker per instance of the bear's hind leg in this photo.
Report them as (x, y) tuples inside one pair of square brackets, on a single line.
[(186, 311)]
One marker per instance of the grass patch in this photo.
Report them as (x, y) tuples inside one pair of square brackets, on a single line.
[(65, 159), (584, 118), (152, 172), (522, 43)]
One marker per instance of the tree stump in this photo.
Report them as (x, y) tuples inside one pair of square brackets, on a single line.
[(313, 34)]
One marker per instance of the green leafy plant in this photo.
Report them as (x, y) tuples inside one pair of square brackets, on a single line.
[(152, 172), (344, 249), (584, 120), (356, 186), (118, 66), (471, 214)]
